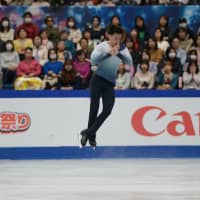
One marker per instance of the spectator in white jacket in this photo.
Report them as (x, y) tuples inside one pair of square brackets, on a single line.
[(123, 78), (191, 78)]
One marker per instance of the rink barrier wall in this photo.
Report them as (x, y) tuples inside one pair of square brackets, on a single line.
[(181, 148)]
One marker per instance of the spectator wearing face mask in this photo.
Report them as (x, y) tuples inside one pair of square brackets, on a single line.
[(51, 70), (31, 29), (9, 61), (74, 32), (6, 32), (182, 23), (171, 56), (192, 56)]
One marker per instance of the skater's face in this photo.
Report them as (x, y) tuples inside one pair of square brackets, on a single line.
[(115, 39)]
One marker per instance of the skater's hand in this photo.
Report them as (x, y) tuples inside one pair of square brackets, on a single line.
[(114, 50)]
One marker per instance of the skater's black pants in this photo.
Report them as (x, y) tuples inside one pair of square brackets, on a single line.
[(99, 88)]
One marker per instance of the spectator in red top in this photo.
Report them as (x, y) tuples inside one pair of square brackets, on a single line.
[(31, 29), (28, 67)]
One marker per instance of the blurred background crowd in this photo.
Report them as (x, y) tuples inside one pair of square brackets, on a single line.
[(46, 52)]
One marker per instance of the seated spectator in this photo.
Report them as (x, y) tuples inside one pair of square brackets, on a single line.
[(69, 45), (51, 70), (96, 30), (85, 47), (171, 56), (40, 3), (164, 27), (61, 2), (156, 54), (9, 61), (67, 78), (74, 32), (7, 2), (146, 57), (28, 72), (91, 44), (192, 56), (191, 78), (115, 20), (62, 53), (185, 42), (123, 78), (45, 40), (52, 31), (129, 2), (28, 25), (84, 3), (134, 54), (161, 43), (197, 47), (181, 54), (166, 79), (143, 34), (183, 24), (22, 43), (83, 69), (108, 3), (134, 37), (143, 79), (6, 32), (40, 52)]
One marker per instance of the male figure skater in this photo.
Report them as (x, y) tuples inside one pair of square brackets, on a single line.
[(107, 56)]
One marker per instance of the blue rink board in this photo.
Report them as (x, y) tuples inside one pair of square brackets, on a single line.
[(102, 151)]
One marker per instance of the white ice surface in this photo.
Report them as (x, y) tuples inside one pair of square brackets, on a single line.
[(102, 179)]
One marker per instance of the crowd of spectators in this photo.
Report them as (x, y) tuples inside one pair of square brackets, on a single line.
[(47, 3), (53, 58)]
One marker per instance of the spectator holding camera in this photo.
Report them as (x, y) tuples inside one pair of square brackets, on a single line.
[(143, 79)]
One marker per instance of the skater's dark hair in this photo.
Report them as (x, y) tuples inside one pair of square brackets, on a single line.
[(115, 29)]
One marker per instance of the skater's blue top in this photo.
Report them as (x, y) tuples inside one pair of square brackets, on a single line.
[(107, 65)]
